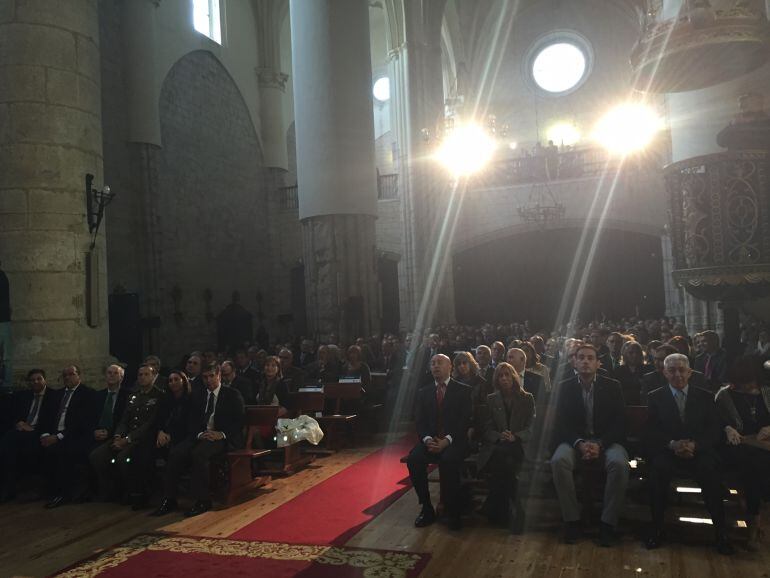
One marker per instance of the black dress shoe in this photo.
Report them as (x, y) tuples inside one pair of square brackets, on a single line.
[(166, 506), (199, 507), (572, 532), (723, 545), (55, 502), (608, 537), (655, 540), (426, 518)]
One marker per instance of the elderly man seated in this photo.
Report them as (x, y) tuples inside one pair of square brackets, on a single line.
[(682, 434)]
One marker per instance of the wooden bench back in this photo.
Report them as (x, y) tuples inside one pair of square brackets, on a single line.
[(259, 416), (307, 402), (636, 418), (337, 392)]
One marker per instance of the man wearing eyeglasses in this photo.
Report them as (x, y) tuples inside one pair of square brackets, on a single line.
[(67, 443)]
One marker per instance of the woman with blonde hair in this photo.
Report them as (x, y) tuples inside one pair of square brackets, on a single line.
[(510, 415)]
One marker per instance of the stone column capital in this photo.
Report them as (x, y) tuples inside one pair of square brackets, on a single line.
[(269, 77)]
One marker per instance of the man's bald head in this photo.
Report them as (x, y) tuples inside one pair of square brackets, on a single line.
[(440, 367), (517, 358)]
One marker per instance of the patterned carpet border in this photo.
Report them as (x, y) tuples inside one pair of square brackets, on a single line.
[(371, 563)]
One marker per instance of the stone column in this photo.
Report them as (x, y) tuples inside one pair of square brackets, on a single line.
[(336, 171), (139, 27), (272, 84), (673, 294), (50, 137), (429, 214)]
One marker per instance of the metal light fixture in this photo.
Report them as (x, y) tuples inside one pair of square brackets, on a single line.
[(542, 209), (96, 202)]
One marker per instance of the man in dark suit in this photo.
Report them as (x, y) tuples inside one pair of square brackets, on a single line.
[(656, 379), (532, 382), (631, 372), (712, 362), (682, 433), (216, 424), (244, 368), (69, 439), (230, 378), (484, 359), (293, 376), (444, 413), (33, 411), (109, 404), (590, 426)]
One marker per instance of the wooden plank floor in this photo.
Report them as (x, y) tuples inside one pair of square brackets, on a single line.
[(38, 542), (484, 551)]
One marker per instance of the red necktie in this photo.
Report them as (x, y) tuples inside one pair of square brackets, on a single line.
[(440, 392)]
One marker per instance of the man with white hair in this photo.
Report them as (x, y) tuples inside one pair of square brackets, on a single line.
[(682, 434)]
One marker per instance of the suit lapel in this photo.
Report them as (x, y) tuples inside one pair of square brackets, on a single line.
[(670, 403)]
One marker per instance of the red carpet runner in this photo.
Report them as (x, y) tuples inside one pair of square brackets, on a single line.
[(336, 509)]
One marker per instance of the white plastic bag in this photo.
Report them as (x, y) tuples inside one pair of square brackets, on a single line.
[(291, 431)]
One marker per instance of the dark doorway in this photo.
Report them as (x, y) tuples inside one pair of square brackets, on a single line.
[(387, 271), (126, 328), (298, 305), (525, 277)]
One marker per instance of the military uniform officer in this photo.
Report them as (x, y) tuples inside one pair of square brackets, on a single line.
[(136, 427)]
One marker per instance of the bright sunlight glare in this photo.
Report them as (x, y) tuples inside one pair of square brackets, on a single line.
[(466, 150), (627, 128)]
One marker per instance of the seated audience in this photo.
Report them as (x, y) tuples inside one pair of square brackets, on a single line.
[(534, 366), (216, 425), (243, 366), (67, 443), (110, 404), (33, 412), (193, 370), (510, 415), (160, 380), (443, 418), (712, 362), (173, 416), (590, 428), (273, 390), (630, 372), (356, 368), (531, 381), (484, 359), (230, 378), (682, 435), (324, 369), (112, 460), (744, 408), (293, 376)]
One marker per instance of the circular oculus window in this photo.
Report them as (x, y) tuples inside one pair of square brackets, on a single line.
[(559, 63), (559, 67)]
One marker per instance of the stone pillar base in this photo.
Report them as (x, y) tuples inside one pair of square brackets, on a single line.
[(340, 276)]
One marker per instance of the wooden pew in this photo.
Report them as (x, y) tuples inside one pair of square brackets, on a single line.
[(235, 476), (294, 459), (337, 393)]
